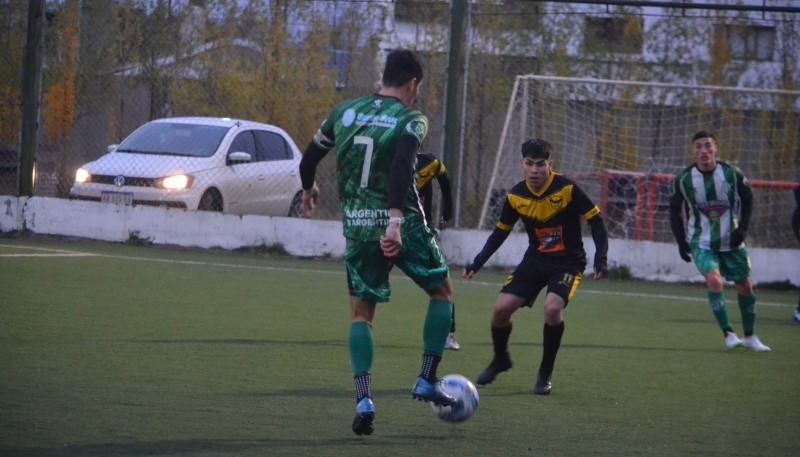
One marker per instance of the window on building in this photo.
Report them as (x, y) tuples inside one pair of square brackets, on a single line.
[(422, 11), (613, 34), (749, 42)]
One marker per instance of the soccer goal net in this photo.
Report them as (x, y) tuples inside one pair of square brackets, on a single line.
[(624, 141)]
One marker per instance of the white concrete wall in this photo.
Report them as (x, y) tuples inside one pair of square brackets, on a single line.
[(310, 238)]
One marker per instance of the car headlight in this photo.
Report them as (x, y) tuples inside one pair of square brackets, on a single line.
[(175, 182), (82, 176)]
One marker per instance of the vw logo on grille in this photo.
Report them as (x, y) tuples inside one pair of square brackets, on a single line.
[(119, 181)]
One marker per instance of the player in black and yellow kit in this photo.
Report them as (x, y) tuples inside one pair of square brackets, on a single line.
[(551, 207), (429, 168)]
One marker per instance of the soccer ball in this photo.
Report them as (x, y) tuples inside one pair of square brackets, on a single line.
[(466, 399)]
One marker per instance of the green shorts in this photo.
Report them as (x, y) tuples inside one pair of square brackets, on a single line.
[(421, 259), (733, 265)]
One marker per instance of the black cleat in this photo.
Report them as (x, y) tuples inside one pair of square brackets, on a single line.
[(543, 384), (498, 365)]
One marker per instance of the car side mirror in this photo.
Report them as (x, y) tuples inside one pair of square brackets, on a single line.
[(239, 157), (111, 147)]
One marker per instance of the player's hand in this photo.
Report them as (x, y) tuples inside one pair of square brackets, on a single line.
[(600, 268), (737, 237), (468, 273), (310, 198), (391, 242), (685, 251)]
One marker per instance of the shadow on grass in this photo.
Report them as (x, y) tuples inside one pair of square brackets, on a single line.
[(339, 343), (216, 447)]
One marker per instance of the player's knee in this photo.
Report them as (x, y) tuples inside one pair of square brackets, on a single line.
[(553, 315), (714, 281)]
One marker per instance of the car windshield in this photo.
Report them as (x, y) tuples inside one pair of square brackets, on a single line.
[(165, 138)]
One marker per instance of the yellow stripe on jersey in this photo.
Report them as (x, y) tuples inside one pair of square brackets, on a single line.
[(591, 213), (505, 227), (542, 208)]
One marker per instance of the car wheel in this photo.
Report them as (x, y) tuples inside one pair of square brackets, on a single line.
[(296, 208), (210, 201)]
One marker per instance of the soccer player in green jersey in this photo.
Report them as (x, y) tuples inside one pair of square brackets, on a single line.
[(430, 168), (718, 202), (377, 139), (551, 208)]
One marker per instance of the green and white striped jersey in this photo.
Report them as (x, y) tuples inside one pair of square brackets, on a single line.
[(365, 132), (712, 201)]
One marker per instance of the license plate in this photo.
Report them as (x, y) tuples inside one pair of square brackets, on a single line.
[(118, 198)]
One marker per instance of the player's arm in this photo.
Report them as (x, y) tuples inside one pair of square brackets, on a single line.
[(600, 238), (401, 177), (493, 243), (313, 155), (591, 213), (447, 195), (676, 204), (739, 234), (508, 218)]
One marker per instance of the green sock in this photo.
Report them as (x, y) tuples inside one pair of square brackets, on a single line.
[(437, 326), (361, 347), (717, 302), (748, 307)]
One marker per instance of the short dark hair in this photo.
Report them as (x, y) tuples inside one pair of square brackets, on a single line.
[(703, 134), (537, 149), (402, 65)]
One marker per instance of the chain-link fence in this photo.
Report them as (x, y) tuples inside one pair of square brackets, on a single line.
[(112, 66)]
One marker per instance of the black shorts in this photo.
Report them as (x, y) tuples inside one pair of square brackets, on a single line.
[(530, 277)]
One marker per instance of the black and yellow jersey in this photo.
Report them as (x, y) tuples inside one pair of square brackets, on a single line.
[(427, 168), (552, 218)]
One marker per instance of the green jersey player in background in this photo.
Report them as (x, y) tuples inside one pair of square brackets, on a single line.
[(718, 201), (376, 140)]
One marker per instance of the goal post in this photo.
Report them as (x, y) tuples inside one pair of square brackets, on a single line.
[(624, 142)]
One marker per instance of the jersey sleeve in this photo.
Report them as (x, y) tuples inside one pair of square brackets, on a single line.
[(440, 169), (508, 216), (743, 185), (325, 138), (417, 126), (583, 203), (676, 199)]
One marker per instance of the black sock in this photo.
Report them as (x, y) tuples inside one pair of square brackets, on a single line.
[(551, 341), (500, 336), (453, 320), (430, 361), (363, 382)]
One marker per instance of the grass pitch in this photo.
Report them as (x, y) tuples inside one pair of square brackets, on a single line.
[(118, 350)]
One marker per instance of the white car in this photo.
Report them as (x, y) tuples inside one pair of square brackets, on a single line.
[(211, 164)]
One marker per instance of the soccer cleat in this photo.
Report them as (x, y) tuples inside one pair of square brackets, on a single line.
[(732, 341), (425, 391), (498, 365), (752, 342), (797, 316), (543, 384), (451, 343), (365, 414)]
